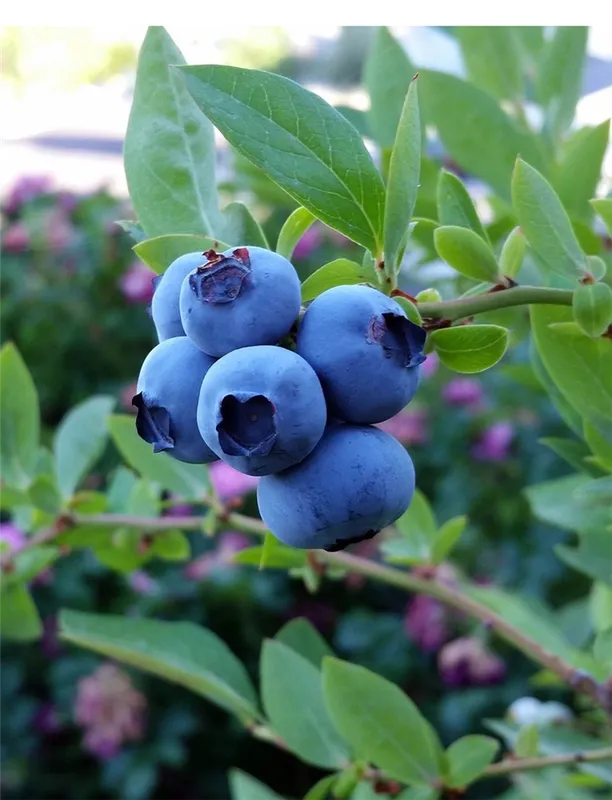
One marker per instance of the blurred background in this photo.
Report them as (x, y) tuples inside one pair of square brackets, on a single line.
[(75, 299)]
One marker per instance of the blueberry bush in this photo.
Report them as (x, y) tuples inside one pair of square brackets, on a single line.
[(315, 387)]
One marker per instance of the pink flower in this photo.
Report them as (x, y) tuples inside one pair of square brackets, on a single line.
[(228, 544), (136, 283), (426, 623), (408, 427), (430, 365), (494, 443), (463, 392), (110, 710), (228, 483), (467, 662), (47, 719), (60, 231), (311, 239), (13, 537), (16, 238), (142, 583), (25, 190)]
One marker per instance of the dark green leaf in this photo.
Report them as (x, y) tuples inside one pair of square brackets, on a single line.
[(292, 231), (387, 76), (79, 441), (592, 556), (466, 252), (301, 636), (555, 502), (592, 304), (304, 145), (44, 494), (527, 742), (336, 273), (241, 228), (447, 537), (169, 149), (188, 480), (292, 696), (161, 251), (603, 207), (559, 78), (381, 723), (245, 787), (512, 254), (357, 118), (595, 492), (171, 546), (455, 206), (600, 442), (19, 419), (133, 229), (570, 450), (602, 648), (28, 564), (468, 758), (470, 348), (181, 652), (19, 618), (491, 56), (403, 180), (578, 172), (474, 130)]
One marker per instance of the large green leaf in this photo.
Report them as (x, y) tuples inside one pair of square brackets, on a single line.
[(455, 206), (466, 252), (544, 222), (180, 652), (559, 76), (592, 556), (80, 440), (304, 145), (381, 723), (470, 348), (387, 76), (336, 273), (294, 228), (19, 618), (161, 251), (19, 420), (292, 696), (559, 503), (403, 179), (301, 636), (169, 149), (577, 174), (468, 757), (477, 134), (579, 366), (491, 55), (241, 228), (592, 304), (245, 787), (187, 480)]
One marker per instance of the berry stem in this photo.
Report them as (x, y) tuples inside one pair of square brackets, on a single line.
[(478, 304)]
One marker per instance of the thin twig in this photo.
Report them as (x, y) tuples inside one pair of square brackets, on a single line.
[(510, 765)]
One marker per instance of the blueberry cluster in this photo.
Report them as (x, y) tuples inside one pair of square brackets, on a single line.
[(218, 385)]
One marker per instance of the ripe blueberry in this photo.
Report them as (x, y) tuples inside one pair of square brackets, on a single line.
[(165, 304), (261, 409), (357, 480), (365, 351), (245, 296), (167, 397)]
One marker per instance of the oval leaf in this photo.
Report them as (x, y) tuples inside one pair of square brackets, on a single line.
[(470, 348), (19, 617), (19, 419), (466, 252), (603, 207), (512, 254), (169, 149), (491, 55), (303, 144), (455, 206), (468, 758), (305, 639), (292, 231), (381, 723), (241, 228), (161, 251), (245, 787), (592, 306), (409, 309), (180, 652), (336, 273)]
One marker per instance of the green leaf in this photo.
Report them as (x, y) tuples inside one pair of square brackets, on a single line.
[(12, 498), (474, 130), (491, 55), (570, 450), (336, 273), (455, 206), (600, 444), (132, 228), (573, 363), (144, 500), (19, 419), (577, 174), (188, 480), (171, 545), (567, 412), (468, 758), (595, 492), (592, 556), (527, 742), (382, 724), (305, 639), (592, 304), (600, 606), (417, 527), (241, 228), (512, 254), (357, 118), (120, 551), (294, 228), (418, 793), (603, 207), (245, 787), (28, 564), (19, 618), (470, 348), (278, 557), (44, 494), (466, 252), (303, 144), (596, 267), (544, 222), (559, 78), (292, 696), (388, 73), (80, 440), (321, 789), (530, 39), (410, 310), (403, 180), (180, 652), (169, 150), (447, 537), (161, 251), (555, 502), (602, 648)]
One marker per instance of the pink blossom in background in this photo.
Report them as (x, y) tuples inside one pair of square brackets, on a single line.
[(110, 709), (12, 536), (136, 284), (426, 623), (338, 238), (142, 583), (16, 238), (465, 392), (408, 427), (126, 395), (59, 230), (467, 662), (26, 189), (228, 483), (47, 719), (66, 201), (227, 545), (494, 443), (430, 366), (180, 510), (310, 240)]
